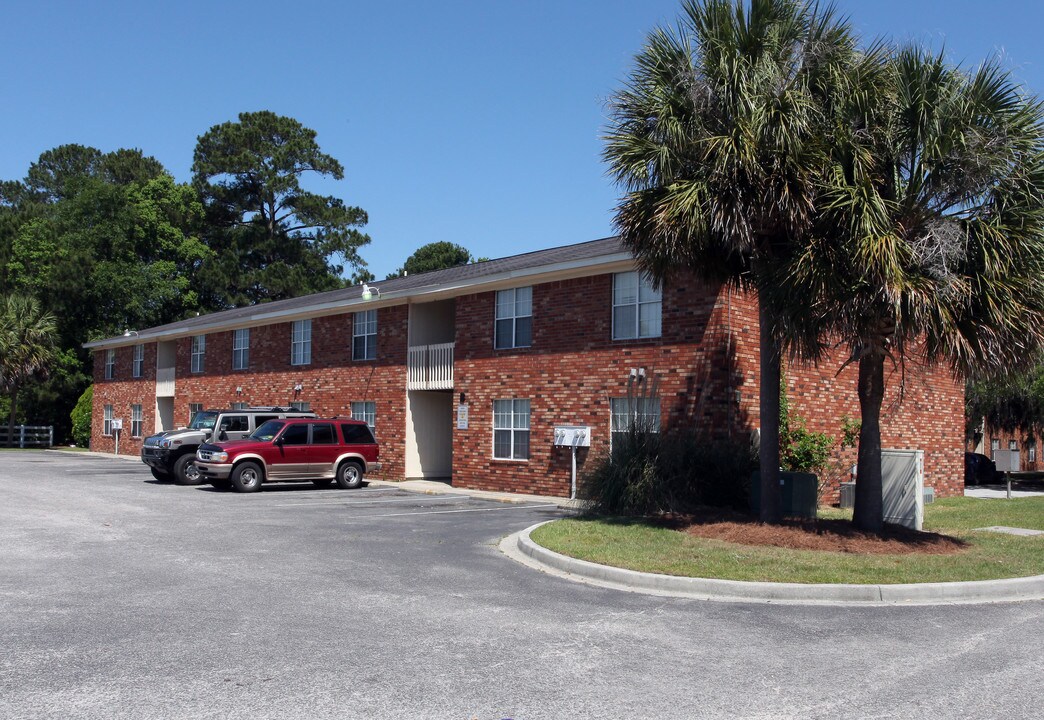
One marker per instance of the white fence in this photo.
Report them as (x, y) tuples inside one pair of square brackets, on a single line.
[(27, 436), (430, 367)]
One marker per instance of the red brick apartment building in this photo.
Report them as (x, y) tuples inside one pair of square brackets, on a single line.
[(465, 372)]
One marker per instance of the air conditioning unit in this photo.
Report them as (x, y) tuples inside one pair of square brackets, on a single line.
[(847, 494)]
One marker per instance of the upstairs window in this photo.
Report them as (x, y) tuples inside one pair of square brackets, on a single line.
[(514, 318), (138, 362), (633, 414), (637, 307), (199, 350), (511, 429), (364, 335), (110, 365), (365, 411), (301, 343), (241, 349)]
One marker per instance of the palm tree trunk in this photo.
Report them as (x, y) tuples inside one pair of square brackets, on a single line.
[(768, 451), (869, 506)]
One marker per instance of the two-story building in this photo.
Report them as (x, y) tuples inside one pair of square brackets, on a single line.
[(464, 373)]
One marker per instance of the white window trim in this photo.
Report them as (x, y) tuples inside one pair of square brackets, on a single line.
[(512, 317), (198, 353), (138, 361), (241, 351), (301, 342), (140, 420), (634, 413), (110, 364), (365, 319), (368, 417), (193, 409), (528, 429), (107, 418), (643, 280)]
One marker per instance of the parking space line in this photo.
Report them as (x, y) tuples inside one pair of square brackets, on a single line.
[(447, 512), (371, 502)]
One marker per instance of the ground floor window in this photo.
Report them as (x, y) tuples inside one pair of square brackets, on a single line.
[(627, 414), (994, 447), (511, 429), (240, 406), (366, 411), (107, 420), (301, 406), (136, 421), (193, 409), (1031, 451)]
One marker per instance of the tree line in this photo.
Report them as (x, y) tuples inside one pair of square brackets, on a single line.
[(94, 243)]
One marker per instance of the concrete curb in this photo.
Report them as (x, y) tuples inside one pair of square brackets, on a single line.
[(520, 546)]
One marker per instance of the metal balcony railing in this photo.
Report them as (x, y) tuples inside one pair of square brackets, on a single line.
[(430, 367)]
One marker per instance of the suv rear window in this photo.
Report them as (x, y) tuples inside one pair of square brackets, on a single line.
[(357, 434), (323, 434)]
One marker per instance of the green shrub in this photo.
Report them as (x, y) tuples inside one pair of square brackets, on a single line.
[(81, 418), (648, 474)]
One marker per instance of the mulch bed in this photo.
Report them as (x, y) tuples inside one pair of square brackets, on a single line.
[(826, 535)]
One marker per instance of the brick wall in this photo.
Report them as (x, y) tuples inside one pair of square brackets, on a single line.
[(704, 366)]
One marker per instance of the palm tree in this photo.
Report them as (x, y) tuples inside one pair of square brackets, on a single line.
[(930, 244), (718, 137), (27, 346)]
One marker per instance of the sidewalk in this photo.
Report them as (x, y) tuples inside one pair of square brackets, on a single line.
[(432, 487)]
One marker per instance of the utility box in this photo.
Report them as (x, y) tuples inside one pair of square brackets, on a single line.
[(902, 480), (800, 493), (573, 435), (847, 495)]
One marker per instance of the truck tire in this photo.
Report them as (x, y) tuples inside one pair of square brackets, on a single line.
[(185, 471), (246, 477), (349, 475), (160, 475)]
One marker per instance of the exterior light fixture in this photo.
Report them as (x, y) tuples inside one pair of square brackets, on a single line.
[(298, 388), (367, 292), (129, 333), (239, 391)]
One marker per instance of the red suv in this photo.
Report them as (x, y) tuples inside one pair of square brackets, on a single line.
[(297, 449)]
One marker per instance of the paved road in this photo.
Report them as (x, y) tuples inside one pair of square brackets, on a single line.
[(124, 598)]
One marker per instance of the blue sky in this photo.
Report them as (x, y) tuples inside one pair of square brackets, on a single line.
[(472, 121)]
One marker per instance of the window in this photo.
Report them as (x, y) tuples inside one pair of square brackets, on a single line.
[(1013, 445), (199, 349), (136, 421), (240, 406), (138, 364), (323, 434), (193, 409), (366, 411), (357, 434), (110, 364), (1031, 451), (514, 321), (234, 423), (301, 343), (295, 435), (641, 414), (364, 335), (107, 420), (301, 406), (636, 307), (994, 447), (241, 349), (511, 429)]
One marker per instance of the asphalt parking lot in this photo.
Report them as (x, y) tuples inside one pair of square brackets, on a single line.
[(121, 597)]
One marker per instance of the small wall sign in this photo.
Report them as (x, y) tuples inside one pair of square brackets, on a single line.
[(462, 416)]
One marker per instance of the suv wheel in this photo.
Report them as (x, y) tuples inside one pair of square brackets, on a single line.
[(246, 477), (185, 470), (349, 475), (160, 475)]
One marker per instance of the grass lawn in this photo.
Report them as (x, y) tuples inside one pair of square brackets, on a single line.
[(638, 545)]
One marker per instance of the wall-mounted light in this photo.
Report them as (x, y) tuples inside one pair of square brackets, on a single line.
[(298, 388), (239, 391), (129, 333), (367, 292), (463, 398)]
